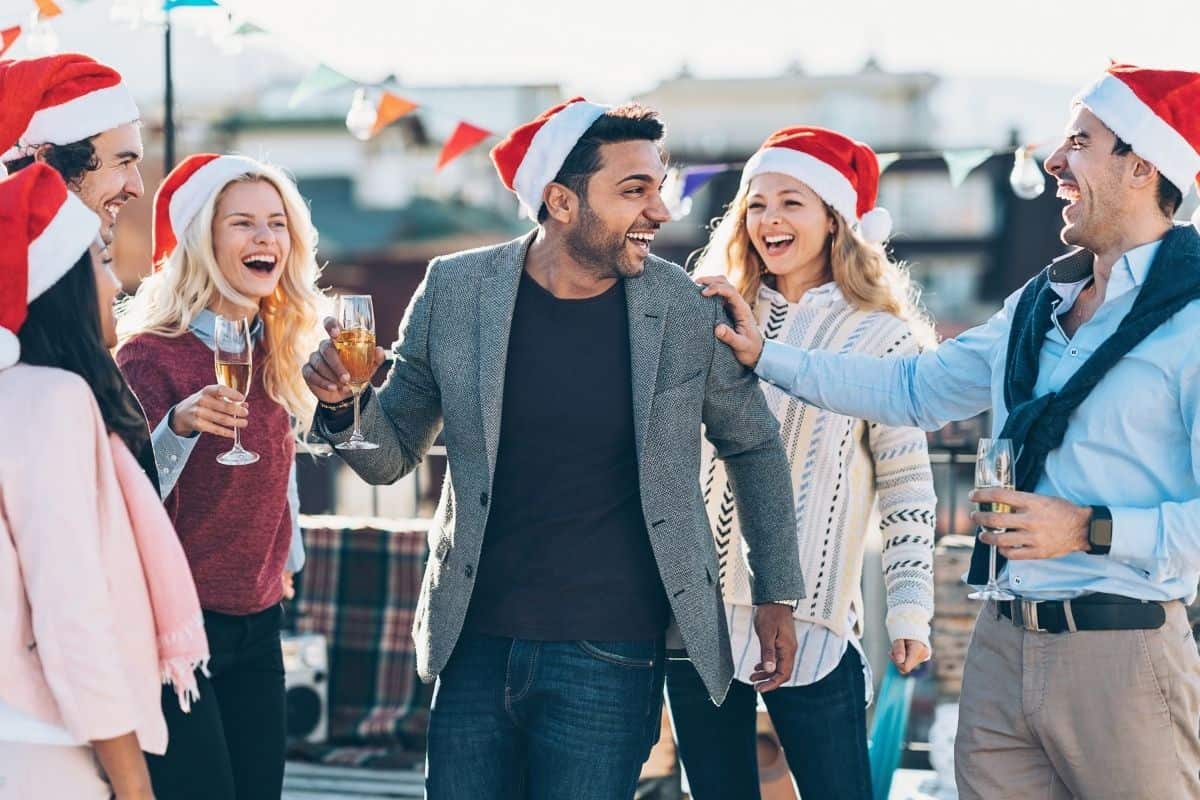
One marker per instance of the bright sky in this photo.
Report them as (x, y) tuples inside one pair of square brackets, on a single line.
[(614, 48)]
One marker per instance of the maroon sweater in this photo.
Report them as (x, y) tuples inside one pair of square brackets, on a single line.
[(234, 522)]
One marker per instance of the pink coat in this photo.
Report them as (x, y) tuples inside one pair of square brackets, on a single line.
[(77, 634)]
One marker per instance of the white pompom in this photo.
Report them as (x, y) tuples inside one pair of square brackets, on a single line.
[(875, 225), (10, 348)]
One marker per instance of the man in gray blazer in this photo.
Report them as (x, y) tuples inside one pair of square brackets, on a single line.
[(571, 372)]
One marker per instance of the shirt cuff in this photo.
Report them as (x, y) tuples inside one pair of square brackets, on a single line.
[(1135, 537), (171, 453), (778, 363), (341, 420)]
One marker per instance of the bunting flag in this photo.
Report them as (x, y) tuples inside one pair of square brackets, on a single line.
[(465, 137), (47, 9), (886, 160), (391, 108), (321, 79), (7, 37), (694, 178), (170, 4), (248, 29), (963, 162)]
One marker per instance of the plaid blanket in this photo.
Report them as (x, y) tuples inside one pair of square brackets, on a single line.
[(359, 588)]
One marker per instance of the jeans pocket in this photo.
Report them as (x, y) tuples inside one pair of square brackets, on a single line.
[(636, 655)]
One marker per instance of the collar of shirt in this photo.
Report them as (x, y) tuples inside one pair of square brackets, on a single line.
[(1128, 273), (824, 295), (205, 324)]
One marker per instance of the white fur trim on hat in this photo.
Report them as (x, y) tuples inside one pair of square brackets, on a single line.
[(1116, 105), (82, 117), (875, 225), (10, 348), (548, 150), (59, 246), (829, 184), (189, 198)]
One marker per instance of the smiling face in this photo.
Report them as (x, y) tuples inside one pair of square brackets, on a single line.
[(117, 180), (621, 210), (1091, 179), (108, 288), (251, 240), (788, 225)]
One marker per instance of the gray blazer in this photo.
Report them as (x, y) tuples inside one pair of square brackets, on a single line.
[(449, 370)]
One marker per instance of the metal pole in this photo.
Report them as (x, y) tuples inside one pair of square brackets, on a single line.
[(168, 103)]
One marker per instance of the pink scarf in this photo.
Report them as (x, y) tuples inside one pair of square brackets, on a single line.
[(178, 622)]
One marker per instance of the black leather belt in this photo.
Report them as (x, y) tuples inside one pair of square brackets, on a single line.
[(1089, 612)]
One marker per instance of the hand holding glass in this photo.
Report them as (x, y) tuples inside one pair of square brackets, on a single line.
[(234, 351), (355, 345), (993, 470)]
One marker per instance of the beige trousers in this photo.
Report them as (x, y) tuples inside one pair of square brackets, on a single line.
[(1091, 715), (50, 772)]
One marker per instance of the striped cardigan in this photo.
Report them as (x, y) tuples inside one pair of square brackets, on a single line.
[(852, 479)]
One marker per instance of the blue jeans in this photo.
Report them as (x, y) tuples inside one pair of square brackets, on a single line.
[(522, 720), (822, 727)]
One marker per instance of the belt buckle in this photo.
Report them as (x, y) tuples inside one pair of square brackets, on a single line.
[(1029, 616)]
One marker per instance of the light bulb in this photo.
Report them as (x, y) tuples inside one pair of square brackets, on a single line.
[(672, 195), (126, 12), (1026, 179), (360, 119), (153, 13), (226, 37), (41, 39)]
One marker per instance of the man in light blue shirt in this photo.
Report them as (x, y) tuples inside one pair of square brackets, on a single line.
[(1088, 685)]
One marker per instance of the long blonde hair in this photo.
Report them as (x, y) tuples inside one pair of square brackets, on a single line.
[(189, 280), (866, 276)]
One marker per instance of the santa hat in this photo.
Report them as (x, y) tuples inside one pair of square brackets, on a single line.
[(59, 99), (530, 157), (844, 173), (44, 229), (186, 189), (1157, 113)]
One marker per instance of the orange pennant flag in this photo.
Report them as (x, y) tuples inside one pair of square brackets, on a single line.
[(465, 137), (47, 9), (391, 108), (7, 37)]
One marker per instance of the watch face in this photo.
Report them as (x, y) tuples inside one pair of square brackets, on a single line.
[(1101, 532)]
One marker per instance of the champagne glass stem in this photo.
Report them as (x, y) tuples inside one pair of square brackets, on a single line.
[(237, 432), (992, 567), (357, 434)]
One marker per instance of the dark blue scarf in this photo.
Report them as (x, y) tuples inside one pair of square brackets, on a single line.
[(1037, 425)]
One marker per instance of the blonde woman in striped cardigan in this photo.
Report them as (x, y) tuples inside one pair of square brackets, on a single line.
[(799, 244)]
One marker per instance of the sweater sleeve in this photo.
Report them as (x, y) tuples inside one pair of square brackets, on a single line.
[(148, 378), (905, 496), (53, 506)]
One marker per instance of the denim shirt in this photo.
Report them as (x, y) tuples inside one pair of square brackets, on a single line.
[(172, 451), (1133, 445)]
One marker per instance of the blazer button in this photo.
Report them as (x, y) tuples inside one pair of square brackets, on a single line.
[(468, 570), (483, 499)]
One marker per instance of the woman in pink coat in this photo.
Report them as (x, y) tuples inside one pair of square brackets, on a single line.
[(97, 607)]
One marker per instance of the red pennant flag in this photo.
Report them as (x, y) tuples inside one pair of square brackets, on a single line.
[(465, 137), (7, 37), (47, 9), (391, 108)]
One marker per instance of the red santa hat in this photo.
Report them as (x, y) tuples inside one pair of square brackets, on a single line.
[(186, 189), (59, 99), (1157, 113), (530, 157), (44, 229), (844, 173)]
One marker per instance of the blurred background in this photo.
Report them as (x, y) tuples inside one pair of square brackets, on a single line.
[(384, 112)]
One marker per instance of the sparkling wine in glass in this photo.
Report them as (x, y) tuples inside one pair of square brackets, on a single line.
[(994, 469), (234, 363), (356, 348)]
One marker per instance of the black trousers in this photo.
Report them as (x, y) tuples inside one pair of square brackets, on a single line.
[(231, 745)]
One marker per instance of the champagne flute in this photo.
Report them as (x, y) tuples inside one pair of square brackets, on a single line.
[(234, 348), (356, 348), (993, 470)]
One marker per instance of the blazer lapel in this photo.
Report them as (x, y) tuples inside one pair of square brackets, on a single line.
[(646, 306), (497, 298)]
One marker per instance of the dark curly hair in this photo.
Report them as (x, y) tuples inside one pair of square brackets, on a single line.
[(71, 161), (627, 123)]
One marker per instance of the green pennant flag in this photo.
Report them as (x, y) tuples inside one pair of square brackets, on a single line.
[(248, 29), (963, 162), (321, 79), (886, 160)]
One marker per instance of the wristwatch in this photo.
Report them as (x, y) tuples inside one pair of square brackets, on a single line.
[(1100, 531)]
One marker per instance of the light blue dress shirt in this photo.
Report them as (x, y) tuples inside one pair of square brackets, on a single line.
[(1133, 445), (171, 451)]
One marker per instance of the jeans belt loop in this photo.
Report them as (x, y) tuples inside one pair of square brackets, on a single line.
[(1069, 615), (1029, 616)]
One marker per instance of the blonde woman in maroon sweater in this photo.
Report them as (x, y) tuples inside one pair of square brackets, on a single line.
[(232, 237)]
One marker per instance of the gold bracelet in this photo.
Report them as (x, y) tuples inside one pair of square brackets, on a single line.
[(336, 406)]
